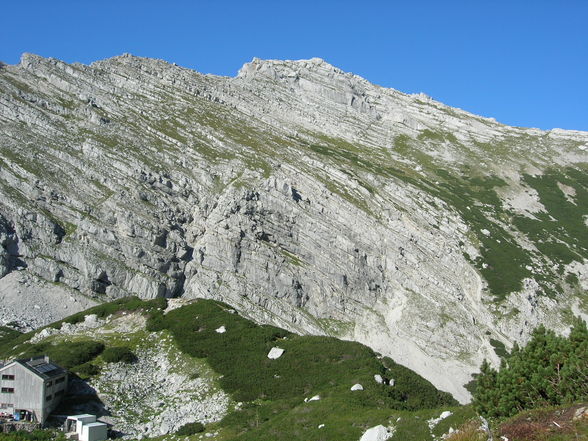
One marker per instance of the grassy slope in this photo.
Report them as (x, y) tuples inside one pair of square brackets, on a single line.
[(272, 392), (76, 355)]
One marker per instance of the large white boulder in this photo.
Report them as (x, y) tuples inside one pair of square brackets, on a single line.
[(377, 433), (275, 352)]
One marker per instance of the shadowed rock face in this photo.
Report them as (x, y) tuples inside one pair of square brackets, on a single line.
[(303, 195)]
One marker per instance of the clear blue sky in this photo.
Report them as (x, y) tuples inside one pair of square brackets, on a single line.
[(523, 62)]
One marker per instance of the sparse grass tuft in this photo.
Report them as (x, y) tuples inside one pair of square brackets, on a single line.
[(470, 431)]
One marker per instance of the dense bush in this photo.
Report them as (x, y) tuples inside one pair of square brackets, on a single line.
[(549, 370), (115, 354), (67, 354), (190, 429), (155, 322), (87, 370)]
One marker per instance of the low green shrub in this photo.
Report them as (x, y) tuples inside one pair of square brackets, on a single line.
[(190, 429), (67, 354), (549, 371), (87, 370), (35, 435), (155, 322), (117, 354)]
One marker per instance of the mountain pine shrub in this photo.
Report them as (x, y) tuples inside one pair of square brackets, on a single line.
[(549, 370), (115, 354)]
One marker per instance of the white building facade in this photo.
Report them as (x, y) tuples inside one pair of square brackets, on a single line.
[(30, 389)]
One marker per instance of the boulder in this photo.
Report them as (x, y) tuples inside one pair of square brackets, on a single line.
[(377, 433), (275, 352)]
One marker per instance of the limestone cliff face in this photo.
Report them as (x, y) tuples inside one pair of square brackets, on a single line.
[(301, 194)]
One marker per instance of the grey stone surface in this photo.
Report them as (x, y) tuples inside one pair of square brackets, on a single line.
[(132, 176)]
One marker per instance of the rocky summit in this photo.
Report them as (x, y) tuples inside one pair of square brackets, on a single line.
[(302, 195)]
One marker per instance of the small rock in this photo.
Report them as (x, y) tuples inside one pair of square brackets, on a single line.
[(378, 379), (91, 319), (391, 382), (434, 421), (357, 387), (221, 330), (315, 398), (581, 412), (445, 414), (320, 426)]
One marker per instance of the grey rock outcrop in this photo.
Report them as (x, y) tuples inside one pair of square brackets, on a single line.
[(302, 195)]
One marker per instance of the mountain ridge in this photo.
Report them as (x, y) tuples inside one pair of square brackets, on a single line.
[(303, 196)]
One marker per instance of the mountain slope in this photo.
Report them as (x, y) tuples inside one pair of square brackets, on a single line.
[(181, 370), (303, 196)]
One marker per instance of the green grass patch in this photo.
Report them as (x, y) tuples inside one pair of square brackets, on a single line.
[(127, 304), (561, 233), (14, 344), (291, 257), (35, 435), (438, 136), (502, 261), (274, 390), (7, 335)]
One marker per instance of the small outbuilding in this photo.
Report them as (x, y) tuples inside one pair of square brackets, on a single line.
[(85, 428)]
